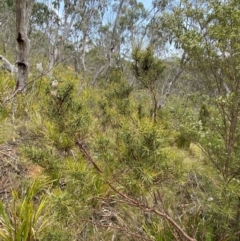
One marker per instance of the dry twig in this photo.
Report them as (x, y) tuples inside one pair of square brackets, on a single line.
[(136, 203)]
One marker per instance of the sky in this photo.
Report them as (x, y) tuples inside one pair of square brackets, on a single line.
[(147, 3)]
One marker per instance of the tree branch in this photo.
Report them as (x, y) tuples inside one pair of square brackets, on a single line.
[(7, 65), (163, 99), (133, 202)]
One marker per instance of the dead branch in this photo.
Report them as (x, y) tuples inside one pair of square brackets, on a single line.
[(7, 65), (133, 202), (86, 154)]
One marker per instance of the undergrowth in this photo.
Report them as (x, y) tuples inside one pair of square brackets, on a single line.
[(65, 134)]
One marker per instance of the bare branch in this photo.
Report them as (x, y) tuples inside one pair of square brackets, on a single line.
[(163, 99), (7, 65), (133, 202)]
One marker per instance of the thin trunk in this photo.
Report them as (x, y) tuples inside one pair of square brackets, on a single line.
[(163, 99), (112, 43), (84, 51), (155, 111), (98, 74), (52, 56), (155, 106), (76, 64), (83, 62), (4, 47)]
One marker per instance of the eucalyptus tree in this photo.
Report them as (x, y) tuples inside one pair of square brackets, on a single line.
[(44, 20), (68, 25), (60, 30), (52, 21), (132, 25), (7, 34), (208, 32), (87, 22), (23, 13), (108, 36), (85, 29)]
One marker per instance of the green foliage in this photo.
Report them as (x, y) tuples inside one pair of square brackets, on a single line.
[(218, 197), (25, 219), (185, 163), (148, 70), (6, 83), (115, 98), (40, 13), (68, 118), (183, 142), (146, 67), (46, 158)]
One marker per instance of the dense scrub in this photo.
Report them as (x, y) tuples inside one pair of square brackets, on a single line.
[(95, 166)]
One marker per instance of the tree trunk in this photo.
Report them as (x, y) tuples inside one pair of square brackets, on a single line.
[(112, 43), (52, 58), (23, 12), (162, 100), (56, 49)]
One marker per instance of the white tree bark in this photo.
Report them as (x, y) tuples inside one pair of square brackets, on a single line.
[(111, 44), (162, 100), (7, 65), (55, 49)]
